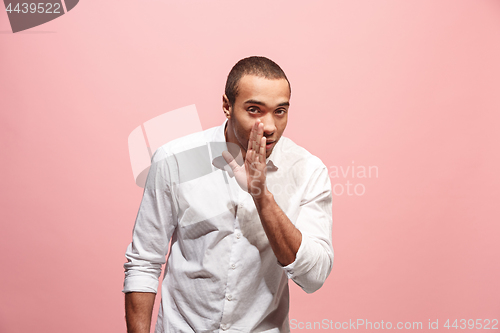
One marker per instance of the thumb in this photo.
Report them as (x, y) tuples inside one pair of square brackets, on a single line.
[(231, 163)]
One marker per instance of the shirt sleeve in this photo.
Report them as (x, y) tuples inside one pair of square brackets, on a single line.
[(154, 225), (314, 259)]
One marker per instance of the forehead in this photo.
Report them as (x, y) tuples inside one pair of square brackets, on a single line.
[(269, 91)]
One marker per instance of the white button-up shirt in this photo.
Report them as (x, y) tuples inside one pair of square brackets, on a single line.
[(221, 272)]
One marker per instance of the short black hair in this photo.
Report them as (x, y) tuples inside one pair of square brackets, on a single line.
[(255, 65)]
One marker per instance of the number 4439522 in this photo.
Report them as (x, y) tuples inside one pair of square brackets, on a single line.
[(485, 324), (47, 8)]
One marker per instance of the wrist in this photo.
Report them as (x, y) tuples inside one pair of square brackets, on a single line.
[(263, 199)]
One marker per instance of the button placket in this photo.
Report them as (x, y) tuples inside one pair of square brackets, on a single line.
[(231, 286)]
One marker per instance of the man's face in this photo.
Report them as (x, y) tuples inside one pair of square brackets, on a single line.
[(258, 98)]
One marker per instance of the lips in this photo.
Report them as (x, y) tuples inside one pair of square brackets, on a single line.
[(269, 144)]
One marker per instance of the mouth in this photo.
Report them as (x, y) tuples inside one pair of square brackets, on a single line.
[(269, 144)]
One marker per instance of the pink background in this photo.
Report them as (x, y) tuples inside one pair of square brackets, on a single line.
[(410, 87)]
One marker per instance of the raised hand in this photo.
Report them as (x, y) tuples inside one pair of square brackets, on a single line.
[(251, 176)]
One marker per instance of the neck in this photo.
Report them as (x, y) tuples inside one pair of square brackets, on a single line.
[(231, 138)]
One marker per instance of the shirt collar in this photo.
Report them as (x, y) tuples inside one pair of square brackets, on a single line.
[(270, 161)]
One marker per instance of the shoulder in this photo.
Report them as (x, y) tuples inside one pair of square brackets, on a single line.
[(304, 169), (187, 142)]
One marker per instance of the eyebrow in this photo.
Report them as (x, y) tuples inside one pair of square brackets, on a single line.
[(252, 101)]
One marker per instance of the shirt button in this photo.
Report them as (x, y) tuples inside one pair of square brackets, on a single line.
[(224, 326), (238, 235), (233, 266), (229, 297)]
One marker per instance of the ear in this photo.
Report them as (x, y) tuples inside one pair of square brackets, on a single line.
[(226, 106)]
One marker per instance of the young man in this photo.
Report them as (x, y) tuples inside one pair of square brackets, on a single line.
[(244, 209)]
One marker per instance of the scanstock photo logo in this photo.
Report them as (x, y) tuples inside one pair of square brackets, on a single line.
[(28, 14)]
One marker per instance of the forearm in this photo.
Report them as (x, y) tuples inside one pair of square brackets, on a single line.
[(138, 311), (283, 236)]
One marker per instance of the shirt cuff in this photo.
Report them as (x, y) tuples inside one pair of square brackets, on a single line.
[(297, 267), (138, 283)]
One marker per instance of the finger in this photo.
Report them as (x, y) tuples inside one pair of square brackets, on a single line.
[(262, 150), (230, 160), (250, 156), (255, 137), (250, 160), (260, 133), (255, 140), (251, 137)]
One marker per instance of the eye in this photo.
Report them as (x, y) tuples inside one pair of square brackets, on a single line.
[(253, 110), (280, 111)]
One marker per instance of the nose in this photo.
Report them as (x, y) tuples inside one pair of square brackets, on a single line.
[(269, 124)]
